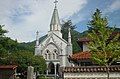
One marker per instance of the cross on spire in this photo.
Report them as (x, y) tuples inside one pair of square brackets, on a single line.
[(55, 3)]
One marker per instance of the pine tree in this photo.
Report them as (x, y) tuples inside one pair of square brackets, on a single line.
[(104, 46)]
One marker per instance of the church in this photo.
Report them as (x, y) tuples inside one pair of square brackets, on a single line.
[(60, 60), (54, 48)]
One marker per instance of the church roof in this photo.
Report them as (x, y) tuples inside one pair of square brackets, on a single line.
[(61, 38), (115, 68), (81, 55), (55, 17)]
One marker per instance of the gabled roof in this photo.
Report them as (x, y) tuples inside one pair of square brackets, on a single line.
[(46, 37), (84, 39), (61, 38)]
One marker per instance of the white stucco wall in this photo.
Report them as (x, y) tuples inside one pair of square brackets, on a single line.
[(91, 75)]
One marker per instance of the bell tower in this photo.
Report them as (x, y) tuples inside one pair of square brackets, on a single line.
[(55, 26)]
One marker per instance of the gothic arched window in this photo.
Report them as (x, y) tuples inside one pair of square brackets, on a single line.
[(45, 56), (55, 50), (56, 55), (49, 56), (47, 51), (53, 56)]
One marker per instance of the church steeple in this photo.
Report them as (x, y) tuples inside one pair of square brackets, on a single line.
[(37, 38), (55, 21), (69, 36)]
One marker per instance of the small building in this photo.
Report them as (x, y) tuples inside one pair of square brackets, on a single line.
[(7, 71)]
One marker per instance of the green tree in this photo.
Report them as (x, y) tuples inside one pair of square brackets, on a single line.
[(39, 64), (2, 31), (75, 35), (7, 45), (104, 47), (23, 59)]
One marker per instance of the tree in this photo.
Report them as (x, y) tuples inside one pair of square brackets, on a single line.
[(23, 59), (7, 45), (39, 64), (104, 46), (2, 32), (75, 35), (12, 54)]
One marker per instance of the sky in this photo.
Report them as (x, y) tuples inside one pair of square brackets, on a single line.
[(22, 18)]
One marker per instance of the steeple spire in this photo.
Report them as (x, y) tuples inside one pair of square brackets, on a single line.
[(55, 21), (37, 38), (69, 36)]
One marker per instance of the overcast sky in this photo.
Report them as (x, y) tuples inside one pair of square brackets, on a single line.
[(22, 18)]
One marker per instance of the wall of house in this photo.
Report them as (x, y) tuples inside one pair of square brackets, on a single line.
[(85, 48)]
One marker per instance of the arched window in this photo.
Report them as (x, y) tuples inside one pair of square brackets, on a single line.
[(49, 56), (57, 55), (45, 56), (55, 51), (53, 56), (47, 51)]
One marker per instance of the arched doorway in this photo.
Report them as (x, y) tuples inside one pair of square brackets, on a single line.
[(51, 68), (57, 69)]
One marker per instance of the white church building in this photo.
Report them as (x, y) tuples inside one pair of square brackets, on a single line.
[(57, 52), (54, 48)]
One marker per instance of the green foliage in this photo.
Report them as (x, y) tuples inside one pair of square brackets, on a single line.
[(7, 45), (104, 46), (11, 53), (39, 64), (75, 35), (2, 32), (29, 46), (23, 59)]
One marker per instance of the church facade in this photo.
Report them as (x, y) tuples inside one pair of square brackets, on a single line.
[(54, 48)]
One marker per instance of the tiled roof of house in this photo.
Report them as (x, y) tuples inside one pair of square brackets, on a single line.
[(8, 66), (91, 69), (81, 55), (84, 39)]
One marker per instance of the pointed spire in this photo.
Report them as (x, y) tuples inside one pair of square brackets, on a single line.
[(37, 38), (55, 21), (69, 36)]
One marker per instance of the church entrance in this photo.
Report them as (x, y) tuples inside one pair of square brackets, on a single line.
[(51, 68), (57, 69)]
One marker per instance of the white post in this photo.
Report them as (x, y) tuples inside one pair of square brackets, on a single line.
[(30, 72)]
